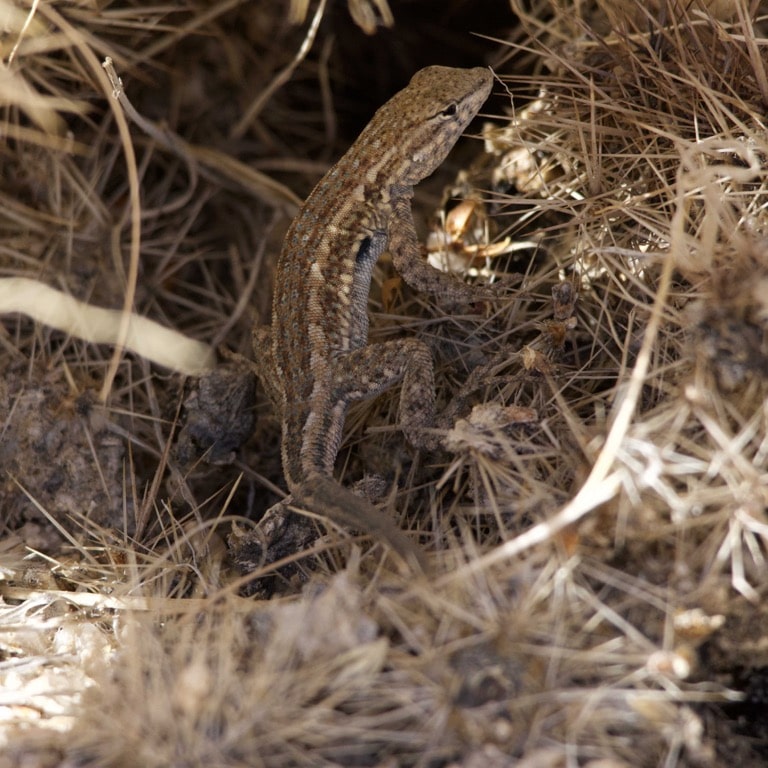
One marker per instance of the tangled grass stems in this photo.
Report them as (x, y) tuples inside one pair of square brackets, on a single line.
[(635, 176)]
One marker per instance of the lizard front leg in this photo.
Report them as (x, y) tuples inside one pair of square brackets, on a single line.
[(418, 273)]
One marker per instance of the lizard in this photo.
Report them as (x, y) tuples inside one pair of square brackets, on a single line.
[(314, 360)]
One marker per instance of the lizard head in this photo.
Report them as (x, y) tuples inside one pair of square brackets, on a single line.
[(414, 131)]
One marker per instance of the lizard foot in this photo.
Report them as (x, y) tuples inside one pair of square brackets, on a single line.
[(280, 534)]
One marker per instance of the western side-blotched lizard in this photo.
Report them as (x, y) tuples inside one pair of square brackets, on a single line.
[(314, 360)]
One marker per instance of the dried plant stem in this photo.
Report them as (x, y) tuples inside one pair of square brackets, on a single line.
[(105, 326), (216, 165), (134, 205), (281, 78)]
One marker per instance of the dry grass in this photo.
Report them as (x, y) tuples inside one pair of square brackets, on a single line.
[(598, 530)]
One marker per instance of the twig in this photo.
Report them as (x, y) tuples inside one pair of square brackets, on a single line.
[(102, 326), (215, 165), (281, 78)]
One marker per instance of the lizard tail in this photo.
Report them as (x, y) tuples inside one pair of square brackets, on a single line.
[(324, 496)]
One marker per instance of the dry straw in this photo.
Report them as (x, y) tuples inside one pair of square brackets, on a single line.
[(598, 527)]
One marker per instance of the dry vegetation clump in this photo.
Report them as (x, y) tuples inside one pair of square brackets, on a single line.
[(597, 524)]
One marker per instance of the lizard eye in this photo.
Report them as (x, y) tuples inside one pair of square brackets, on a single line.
[(450, 110)]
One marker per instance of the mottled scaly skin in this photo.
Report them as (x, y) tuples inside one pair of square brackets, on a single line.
[(315, 360)]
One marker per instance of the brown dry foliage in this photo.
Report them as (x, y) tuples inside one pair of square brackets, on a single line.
[(598, 530)]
